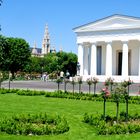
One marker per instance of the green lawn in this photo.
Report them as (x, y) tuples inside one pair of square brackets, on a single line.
[(73, 110)]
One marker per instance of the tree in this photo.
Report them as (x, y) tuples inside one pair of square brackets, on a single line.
[(116, 96), (73, 83), (109, 82), (65, 84), (51, 63), (95, 81), (15, 53), (80, 83), (34, 65), (126, 84), (1, 78), (89, 82), (3, 51), (58, 81), (67, 62), (105, 93)]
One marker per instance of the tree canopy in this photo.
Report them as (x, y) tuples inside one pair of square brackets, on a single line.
[(15, 54), (53, 62)]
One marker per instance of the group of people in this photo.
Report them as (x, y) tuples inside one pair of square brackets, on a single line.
[(45, 76), (62, 75)]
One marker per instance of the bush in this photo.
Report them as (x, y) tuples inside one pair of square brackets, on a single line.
[(109, 125), (70, 95), (5, 91), (34, 124), (30, 92)]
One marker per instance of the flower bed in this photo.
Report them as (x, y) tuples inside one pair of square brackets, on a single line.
[(33, 124), (110, 126)]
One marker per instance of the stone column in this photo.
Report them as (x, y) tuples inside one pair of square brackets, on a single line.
[(80, 58), (86, 60), (125, 59), (93, 62), (109, 59)]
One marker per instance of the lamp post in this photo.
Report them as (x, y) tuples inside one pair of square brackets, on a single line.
[(78, 68)]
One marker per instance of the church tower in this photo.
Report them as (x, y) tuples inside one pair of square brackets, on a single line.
[(46, 42)]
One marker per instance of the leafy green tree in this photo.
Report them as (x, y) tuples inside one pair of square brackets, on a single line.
[(51, 63), (3, 51), (34, 65), (15, 54), (61, 61), (67, 62)]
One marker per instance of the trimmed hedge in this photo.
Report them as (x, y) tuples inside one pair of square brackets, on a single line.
[(30, 92), (70, 95), (109, 126), (34, 124), (5, 91)]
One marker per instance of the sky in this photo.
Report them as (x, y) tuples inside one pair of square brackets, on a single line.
[(27, 18)]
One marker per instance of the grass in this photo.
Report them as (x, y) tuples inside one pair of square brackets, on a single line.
[(73, 110)]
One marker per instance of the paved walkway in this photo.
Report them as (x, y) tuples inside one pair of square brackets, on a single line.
[(52, 86)]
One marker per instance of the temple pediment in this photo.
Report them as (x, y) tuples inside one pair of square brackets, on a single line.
[(114, 22)]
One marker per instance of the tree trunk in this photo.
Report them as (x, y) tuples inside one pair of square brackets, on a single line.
[(73, 88), (94, 89), (0, 83), (89, 89), (117, 113), (58, 86), (104, 108), (111, 87), (126, 109), (65, 86), (128, 90), (9, 79), (79, 88)]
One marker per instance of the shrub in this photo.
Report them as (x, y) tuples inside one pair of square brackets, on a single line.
[(33, 124), (5, 91), (109, 126), (30, 92)]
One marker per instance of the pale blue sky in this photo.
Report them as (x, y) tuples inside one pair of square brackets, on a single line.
[(27, 18)]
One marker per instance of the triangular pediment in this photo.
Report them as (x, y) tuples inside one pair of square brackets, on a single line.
[(114, 22)]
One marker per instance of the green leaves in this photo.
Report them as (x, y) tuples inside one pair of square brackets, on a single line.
[(34, 124), (14, 54)]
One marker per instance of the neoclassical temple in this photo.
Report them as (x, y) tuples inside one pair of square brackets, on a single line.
[(110, 47)]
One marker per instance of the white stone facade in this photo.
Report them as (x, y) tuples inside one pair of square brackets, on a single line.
[(110, 47), (46, 42)]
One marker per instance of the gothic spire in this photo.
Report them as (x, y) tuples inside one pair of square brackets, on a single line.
[(46, 42)]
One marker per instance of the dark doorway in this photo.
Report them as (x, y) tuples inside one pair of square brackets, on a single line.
[(119, 63), (99, 59)]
